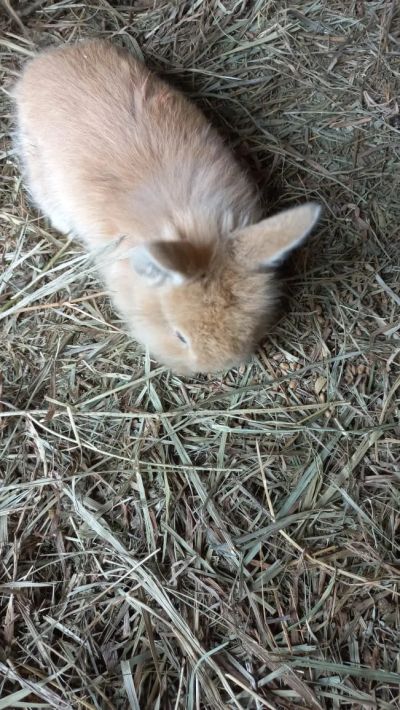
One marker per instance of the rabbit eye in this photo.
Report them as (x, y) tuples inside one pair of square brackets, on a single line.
[(180, 337)]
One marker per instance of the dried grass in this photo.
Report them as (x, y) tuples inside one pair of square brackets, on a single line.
[(213, 543)]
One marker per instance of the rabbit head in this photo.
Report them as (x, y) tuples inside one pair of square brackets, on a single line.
[(203, 308)]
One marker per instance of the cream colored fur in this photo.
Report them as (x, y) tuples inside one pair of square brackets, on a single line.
[(111, 152)]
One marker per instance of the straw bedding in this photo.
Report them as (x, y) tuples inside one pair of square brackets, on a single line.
[(218, 542)]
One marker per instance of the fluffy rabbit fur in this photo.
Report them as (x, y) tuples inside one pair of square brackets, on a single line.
[(114, 155)]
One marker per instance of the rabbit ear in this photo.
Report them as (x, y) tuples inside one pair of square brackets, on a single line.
[(165, 262), (269, 242)]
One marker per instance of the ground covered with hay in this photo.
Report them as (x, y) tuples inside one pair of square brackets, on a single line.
[(221, 542)]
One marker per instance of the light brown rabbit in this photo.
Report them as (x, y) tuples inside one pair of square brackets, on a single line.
[(112, 152)]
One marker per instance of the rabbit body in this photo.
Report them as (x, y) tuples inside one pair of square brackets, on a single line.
[(115, 156)]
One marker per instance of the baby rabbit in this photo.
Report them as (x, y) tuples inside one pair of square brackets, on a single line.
[(113, 154)]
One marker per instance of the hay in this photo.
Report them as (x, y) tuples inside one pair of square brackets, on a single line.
[(212, 543)]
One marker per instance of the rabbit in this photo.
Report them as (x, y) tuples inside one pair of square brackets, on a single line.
[(114, 155)]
